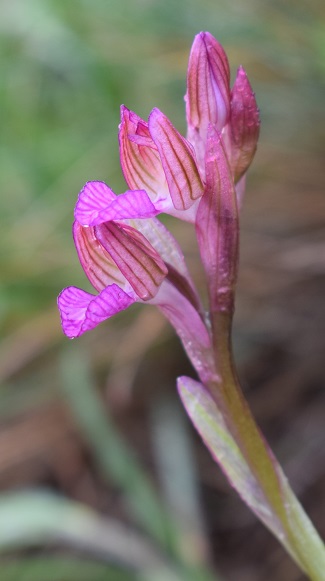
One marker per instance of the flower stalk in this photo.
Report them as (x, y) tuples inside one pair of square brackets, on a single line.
[(265, 489)]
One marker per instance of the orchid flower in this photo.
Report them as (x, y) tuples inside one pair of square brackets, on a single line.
[(129, 256), (156, 158), (129, 260)]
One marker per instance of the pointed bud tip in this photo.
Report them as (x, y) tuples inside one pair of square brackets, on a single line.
[(123, 109), (244, 124), (154, 115), (207, 38)]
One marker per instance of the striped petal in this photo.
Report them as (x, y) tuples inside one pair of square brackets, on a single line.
[(183, 178), (135, 257), (99, 267), (97, 203), (81, 311), (139, 157)]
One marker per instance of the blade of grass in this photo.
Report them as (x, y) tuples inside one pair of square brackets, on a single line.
[(177, 473), (56, 568), (39, 518), (113, 456), (119, 464)]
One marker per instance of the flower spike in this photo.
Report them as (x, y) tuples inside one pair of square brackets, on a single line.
[(129, 256)]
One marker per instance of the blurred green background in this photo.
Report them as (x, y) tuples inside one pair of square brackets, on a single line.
[(95, 422)]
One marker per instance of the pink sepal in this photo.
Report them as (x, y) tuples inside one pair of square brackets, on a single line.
[(139, 157), (178, 160)]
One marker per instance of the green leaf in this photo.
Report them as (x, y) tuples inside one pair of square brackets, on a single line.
[(212, 428)]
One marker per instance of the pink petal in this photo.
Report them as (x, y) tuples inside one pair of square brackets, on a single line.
[(142, 140), (178, 161), (135, 257), (140, 160), (81, 311), (97, 204), (93, 197), (98, 265)]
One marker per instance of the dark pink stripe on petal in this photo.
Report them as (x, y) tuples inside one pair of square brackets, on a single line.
[(81, 311)]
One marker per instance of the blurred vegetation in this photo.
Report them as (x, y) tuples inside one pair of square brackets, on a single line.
[(66, 68)]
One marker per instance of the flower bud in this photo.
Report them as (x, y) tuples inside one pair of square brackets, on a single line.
[(244, 125), (208, 92)]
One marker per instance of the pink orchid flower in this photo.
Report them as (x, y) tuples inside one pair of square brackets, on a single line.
[(128, 260)]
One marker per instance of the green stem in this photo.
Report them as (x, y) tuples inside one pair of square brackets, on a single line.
[(296, 533)]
